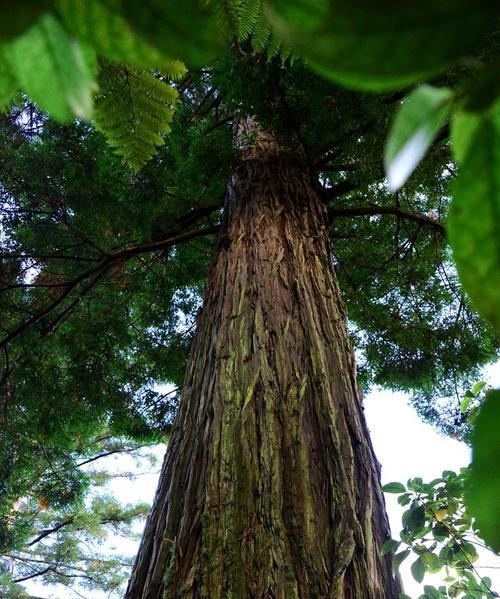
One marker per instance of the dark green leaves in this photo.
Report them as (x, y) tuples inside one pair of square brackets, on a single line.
[(398, 559), (417, 123), (8, 82), (51, 68), (389, 546), (418, 569), (414, 518), (19, 16), (178, 29), (394, 487), (382, 45), (485, 488), (474, 220)]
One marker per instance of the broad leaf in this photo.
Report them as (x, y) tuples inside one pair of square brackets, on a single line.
[(106, 30), (485, 481), (389, 546), (382, 45), (398, 559), (52, 69), (417, 123), (464, 127), (394, 487), (184, 30), (474, 220), (8, 82), (418, 569)]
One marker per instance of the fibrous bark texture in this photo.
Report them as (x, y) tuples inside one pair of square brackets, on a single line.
[(270, 488)]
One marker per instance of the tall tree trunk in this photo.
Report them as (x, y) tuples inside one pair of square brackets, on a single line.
[(270, 488)]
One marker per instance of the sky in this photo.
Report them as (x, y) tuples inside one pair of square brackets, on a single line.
[(405, 446)]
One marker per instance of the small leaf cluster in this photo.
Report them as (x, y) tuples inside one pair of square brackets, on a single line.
[(439, 533)]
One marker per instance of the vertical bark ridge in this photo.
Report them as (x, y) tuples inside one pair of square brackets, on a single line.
[(270, 488)]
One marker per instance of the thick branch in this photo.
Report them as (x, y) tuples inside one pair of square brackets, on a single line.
[(98, 271), (394, 210), (330, 193)]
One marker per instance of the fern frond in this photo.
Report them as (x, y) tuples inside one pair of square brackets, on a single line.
[(251, 12), (133, 110), (246, 21), (227, 14)]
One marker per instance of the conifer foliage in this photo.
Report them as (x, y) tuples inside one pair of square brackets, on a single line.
[(102, 263)]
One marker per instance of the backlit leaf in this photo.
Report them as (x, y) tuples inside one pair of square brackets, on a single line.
[(417, 123), (52, 69)]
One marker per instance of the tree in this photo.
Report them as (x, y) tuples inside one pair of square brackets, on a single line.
[(269, 449), (56, 539)]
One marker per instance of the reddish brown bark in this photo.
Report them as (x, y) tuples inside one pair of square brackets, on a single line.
[(270, 488)]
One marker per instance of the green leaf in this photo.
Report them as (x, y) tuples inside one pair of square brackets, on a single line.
[(478, 387), (431, 561), (440, 531), (463, 129), (484, 88), (404, 596), (431, 592), (134, 109), (184, 30), (106, 30), (416, 125), (470, 551), (390, 546), (8, 81), (386, 44), (398, 559), (418, 569), (404, 499), (485, 479), (52, 69), (464, 404), (394, 487), (415, 518), (474, 220)]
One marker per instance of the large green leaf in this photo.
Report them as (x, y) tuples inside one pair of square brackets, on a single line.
[(474, 220), (52, 70), (386, 44), (106, 30), (8, 82), (184, 30), (484, 493), (418, 569), (394, 487), (417, 123)]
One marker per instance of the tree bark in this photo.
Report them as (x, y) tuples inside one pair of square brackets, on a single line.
[(270, 487)]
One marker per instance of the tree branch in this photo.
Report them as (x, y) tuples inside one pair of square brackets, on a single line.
[(377, 210), (99, 271)]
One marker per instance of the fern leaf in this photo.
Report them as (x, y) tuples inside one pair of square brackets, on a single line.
[(133, 110), (251, 12)]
